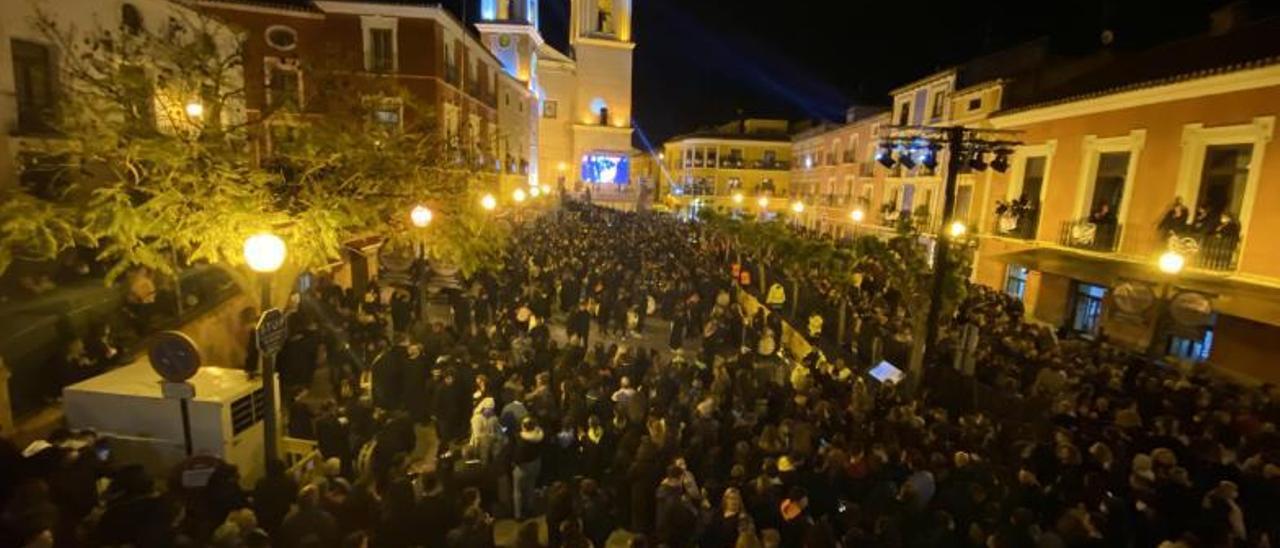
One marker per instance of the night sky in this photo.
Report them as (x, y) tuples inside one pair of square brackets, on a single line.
[(700, 62)]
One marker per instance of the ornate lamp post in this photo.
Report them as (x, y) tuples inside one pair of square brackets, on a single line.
[(265, 253)]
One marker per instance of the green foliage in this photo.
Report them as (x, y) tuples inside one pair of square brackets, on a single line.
[(903, 258), (148, 185)]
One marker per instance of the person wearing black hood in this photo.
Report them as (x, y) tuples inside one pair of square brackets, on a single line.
[(527, 462), (273, 495)]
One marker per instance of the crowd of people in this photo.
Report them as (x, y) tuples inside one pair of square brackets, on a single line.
[(544, 400)]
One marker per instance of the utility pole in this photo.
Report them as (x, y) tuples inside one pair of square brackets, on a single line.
[(963, 145), (955, 138)]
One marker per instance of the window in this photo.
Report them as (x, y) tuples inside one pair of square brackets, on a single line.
[(281, 37), (964, 201), (766, 186), (131, 18), (1190, 348), (939, 104), (284, 84), (550, 109), (1015, 281), (386, 112), (1086, 309), (139, 93), (381, 50), (975, 103), (904, 115), (1108, 185), (1033, 179), (33, 85), (1223, 179), (770, 157)]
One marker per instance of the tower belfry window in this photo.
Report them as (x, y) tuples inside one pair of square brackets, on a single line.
[(604, 16)]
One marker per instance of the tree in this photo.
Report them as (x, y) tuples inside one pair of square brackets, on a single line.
[(160, 166)]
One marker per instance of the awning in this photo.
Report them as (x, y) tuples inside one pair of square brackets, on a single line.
[(1236, 297)]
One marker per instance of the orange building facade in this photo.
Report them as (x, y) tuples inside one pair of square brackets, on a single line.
[(1095, 184)]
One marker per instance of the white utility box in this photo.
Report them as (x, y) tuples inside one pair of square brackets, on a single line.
[(127, 404)]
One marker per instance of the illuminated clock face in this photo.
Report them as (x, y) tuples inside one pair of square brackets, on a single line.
[(504, 40)]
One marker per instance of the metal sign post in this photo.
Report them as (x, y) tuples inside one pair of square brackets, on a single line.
[(175, 357), (270, 334)]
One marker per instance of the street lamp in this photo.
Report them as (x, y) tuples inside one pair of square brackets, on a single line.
[(264, 253), (738, 198), (534, 192), (546, 188), (194, 109), (421, 216), (857, 215), (1172, 262), (763, 202), (519, 195), (957, 229), (797, 206), (488, 202)]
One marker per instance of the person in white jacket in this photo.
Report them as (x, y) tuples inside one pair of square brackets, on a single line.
[(485, 431)]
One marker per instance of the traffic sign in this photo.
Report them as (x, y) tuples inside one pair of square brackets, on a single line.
[(271, 331), (174, 356)]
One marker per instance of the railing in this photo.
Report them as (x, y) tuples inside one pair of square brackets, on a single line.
[(731, 162), (771, 165), (847, 158), (1083, 234), (1021, 227), (1218, 252)]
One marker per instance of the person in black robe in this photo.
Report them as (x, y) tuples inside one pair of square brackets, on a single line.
[(388, 378)]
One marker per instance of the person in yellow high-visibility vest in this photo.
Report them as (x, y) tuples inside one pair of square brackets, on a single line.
[(815, 326), (776, 298)]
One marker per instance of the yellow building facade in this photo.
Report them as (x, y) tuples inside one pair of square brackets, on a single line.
[(583, 123), (750, 157), (1104, 173)]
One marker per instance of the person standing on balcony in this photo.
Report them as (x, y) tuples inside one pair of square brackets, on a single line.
[(1175, 218)]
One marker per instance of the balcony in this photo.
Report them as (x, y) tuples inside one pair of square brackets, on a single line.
[(1216, 252), (1016, 219), (732, 163), (1089, 236), (775, 165)]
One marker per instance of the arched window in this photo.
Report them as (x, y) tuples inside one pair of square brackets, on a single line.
[(131, 18)]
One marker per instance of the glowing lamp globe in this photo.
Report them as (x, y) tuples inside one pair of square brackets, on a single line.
[(797, 206), (534, 191), (857, 215), (519, 195), (763, 202), (1172, 262), (957, 229), (264, 252), (194, 109), (488, 202), (737, 197), (421, 216), (546, 189)]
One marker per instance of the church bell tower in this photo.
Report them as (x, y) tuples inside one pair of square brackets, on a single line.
[(510, 30)]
